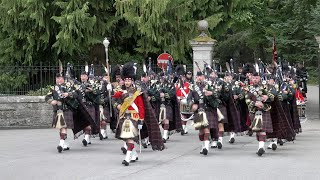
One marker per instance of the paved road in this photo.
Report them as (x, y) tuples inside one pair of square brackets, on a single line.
[(31, 154)]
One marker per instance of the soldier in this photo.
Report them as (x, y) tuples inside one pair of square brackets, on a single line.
[(105, 108), (259, 106), (183, 88), (205, 108), (60, 98), (89, 96), (167, 93), (134, 110)]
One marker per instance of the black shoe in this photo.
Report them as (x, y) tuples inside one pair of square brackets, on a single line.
[(232, 140), (66, 149), (183, 132), (132, 161), (274, 147), (205, 151), (106, 137), (219, 144), (260, 152), (280, 142), (84, 142), (59, 149), (125, 163), (124, 150), (164, 140), (100, 136), (250, 133), (89, 142), (144, 145)]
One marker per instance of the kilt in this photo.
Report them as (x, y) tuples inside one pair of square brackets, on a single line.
[(233, 118), (212, 117), (169, 113), (295, 116), (266, 121), (286, 109), (224, 112), (106, 113), (68, 117)]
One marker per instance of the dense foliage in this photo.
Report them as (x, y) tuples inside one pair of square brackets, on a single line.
[(34, 31)]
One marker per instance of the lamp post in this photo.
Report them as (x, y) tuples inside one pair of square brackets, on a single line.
[(318, 41), (106, 43)]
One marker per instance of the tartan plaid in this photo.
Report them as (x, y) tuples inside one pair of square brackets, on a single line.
[(151, 122), (94, 113), (280, 122), (266, 121), (233, 117)]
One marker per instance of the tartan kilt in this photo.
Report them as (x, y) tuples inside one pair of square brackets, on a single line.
[(224, 112), (233, 118), (68, 117), (106, 113), (266, 121), (295, 116), (169, 112), (286, 109), (212, 117)]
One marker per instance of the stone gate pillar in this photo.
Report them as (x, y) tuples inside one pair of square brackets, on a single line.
[(202, 47)]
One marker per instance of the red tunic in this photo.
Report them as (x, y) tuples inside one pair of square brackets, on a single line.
[(137, 104), (185, 88)]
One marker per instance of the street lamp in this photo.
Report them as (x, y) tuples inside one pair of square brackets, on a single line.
[(318, 41), (106, 43)]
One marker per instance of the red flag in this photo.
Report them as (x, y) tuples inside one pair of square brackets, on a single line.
[(274, 49)]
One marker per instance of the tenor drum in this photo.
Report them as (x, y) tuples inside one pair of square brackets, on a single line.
[(186, 109)]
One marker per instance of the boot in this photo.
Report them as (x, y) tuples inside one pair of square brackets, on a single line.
[(165, 136), (103, 134), (232, 140), (66, 146), (219, 144), (273, 144), (261, 148), (60, 146), (206, 147), (214, 144), (134, 156), (124, 148), (127, 159), (86, 140), (202, 147), (184, 130)]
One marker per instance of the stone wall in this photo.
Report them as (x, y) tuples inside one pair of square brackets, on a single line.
[(25, 112)]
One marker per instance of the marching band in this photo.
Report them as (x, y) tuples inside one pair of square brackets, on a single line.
[(268, 100)]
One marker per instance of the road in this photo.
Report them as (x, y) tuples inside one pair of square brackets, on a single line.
[(31, 154)]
